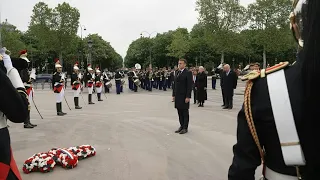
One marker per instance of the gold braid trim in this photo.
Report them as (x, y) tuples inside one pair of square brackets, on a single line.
[(249, 118)]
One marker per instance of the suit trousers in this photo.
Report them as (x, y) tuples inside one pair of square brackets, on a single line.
[(183, 118), (195, 95), (228, 98), (223, 97)]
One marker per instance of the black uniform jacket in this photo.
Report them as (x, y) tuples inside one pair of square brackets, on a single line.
[(74, 78), (117, 78), (12, 103), (182, 89), (246, 155), (56, 78), (89, 76)]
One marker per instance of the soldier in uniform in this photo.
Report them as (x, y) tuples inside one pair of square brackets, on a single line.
[(117, 79), (58, 81), (278, 125), (76, 78), (149, 79), (13, 98), (163, 80), (90, 76), (98, 83), (130, 79), (22, 65), (106, 79)]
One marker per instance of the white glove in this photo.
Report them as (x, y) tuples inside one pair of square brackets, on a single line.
[(33, 73), (7, 61), (63, 76)]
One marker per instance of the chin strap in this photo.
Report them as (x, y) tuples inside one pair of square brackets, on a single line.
[(14, 77)]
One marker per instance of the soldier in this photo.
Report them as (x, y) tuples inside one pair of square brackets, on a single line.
[(58, 84), (279, 122), (106, 79), (98, 83), (22, 65), (163, 80), (76, 78), (15, 107), (149, 79), (157, 79), (117, 79), (90, 76)]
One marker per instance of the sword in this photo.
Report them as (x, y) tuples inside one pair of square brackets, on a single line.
[(66, 98), (67, 102), (36, 108), (82, 97)]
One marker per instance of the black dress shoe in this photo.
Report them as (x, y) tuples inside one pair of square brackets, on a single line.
[(91, 103), (178, 131), (183, 131), (78, 107), (34, 125), (226, 107), (223, 105), (60, 114), (229, 107), (28, 126)]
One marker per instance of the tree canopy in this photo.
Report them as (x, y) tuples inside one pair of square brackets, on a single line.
[(225, 32), (52, 33)]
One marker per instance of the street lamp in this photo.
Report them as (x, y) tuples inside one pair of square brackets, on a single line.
[(150, 61), (233, 63), (90, 43), (82, 28)]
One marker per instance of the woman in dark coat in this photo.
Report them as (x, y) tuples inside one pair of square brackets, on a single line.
[(201, 84)]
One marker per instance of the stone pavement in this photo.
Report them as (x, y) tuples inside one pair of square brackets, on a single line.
[(134, 137)]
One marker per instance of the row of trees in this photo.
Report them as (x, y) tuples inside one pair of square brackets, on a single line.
[(52, 33), (226, 32)]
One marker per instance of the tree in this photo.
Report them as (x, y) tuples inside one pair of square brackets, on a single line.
[(180, 44), (65, 23), (222, 18), (270, 20), (11, 38)]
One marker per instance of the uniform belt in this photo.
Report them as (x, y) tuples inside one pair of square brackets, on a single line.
[(272, 175), (118, 79)]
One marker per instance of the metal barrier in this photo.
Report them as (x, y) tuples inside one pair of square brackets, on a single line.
[(42, 83)]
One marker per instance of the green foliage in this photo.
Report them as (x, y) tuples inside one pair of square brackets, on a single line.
[(52, 34)]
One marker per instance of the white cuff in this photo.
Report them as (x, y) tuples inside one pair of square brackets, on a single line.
[(14, 77)]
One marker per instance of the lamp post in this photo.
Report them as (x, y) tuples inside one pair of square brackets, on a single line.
[(82, 28), (90, 43), (150, 61), (233, 63)]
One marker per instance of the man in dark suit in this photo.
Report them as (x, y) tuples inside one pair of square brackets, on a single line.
[(181, 95), (228, 84)]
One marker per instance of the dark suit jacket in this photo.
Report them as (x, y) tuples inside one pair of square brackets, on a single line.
[(182, 89), (229, 82)]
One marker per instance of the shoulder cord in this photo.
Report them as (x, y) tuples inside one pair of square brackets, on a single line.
[(249, 118)]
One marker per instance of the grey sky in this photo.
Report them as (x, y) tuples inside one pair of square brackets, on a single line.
[(117, 21)]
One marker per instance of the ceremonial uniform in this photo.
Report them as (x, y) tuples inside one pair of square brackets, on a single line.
[(163, 81), (22, 65), (149, 80), (117, 79), (278, 124), (98, 83), (15, 107), (135, 76), (58, 80), (130, 80), (122, 80), (107, 84), (76, 79), (90, 76)]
